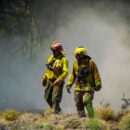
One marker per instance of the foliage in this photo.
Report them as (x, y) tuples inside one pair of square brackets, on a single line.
[(27, 25), (44, 125), (124, 123), (73, 123), (120, 114), (105, 113), (59, 127), (22, 126), (126, 102), (33, 121), (47, 113), (30, 117), (96, 124), (39, 125), (10, 115)]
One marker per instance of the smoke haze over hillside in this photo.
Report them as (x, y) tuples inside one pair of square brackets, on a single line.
[(103, 29)]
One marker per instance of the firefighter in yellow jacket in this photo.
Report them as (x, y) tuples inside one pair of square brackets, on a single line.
[(87, 80), (53, 79)]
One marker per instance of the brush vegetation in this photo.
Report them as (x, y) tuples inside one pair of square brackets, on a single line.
[(97, 124), (105, 119), (105, 112), (124, 123)]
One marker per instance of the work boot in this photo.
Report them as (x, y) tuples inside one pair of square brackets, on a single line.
[(81, 113), (56, 108)]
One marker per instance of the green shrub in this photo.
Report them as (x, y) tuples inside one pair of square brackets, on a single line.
[(96, 124), (59, 127), (124, 123), (44, 126)]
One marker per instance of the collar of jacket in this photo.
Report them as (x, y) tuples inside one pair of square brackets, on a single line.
[(59, 56)]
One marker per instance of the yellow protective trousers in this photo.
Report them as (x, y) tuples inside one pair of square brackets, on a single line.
[(84, 101)]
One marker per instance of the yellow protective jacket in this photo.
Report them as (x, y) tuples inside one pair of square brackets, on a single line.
[(60, 68), (93, 79)]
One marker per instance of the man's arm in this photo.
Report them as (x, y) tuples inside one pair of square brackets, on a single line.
[(96, 75)]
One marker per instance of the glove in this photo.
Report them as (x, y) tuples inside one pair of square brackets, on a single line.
[(68, 88), (97, 88), (44, 82)]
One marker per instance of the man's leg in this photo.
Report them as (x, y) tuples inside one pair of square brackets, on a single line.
[(56, 98), (48, 93), (87, 100), (78, 96)]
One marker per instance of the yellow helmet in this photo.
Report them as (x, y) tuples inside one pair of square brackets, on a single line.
[(80, 50)]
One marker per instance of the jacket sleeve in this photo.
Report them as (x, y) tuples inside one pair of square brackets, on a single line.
[(64, 69), (96, 75), (46, 74), (72, 77)]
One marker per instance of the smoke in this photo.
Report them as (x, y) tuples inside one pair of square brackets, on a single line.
[(105, 34), (20, 84), (102, 29)]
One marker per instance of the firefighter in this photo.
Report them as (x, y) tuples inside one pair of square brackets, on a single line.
[(53, 79), (87, 80)]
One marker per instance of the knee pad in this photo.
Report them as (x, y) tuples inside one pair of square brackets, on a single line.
[(87, 98)]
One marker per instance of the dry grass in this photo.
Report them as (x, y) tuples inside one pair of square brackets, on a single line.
[(43, 126), (124, 123), (120, 114), (105, 113), (97, 124), (47, 113), (30, 117), (29, 121), (10, 115)]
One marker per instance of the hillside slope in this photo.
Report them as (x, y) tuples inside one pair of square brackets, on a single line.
[(104, 120)]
